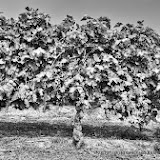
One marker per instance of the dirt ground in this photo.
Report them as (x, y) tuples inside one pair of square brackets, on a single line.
[(28, 134)]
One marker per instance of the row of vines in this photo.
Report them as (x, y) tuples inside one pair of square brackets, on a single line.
[(91, 64)]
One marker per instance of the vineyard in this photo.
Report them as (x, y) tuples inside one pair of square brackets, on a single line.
[(88, 66)]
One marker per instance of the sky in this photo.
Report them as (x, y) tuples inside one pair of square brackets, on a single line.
[(125, 11)]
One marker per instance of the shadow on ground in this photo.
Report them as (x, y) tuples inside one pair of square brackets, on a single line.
[(104, 130)]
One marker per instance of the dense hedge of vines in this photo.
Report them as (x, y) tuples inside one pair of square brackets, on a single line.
[(86, 65)]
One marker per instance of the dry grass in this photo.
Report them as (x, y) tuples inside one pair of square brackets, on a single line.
[(53, 148), (31, 135)]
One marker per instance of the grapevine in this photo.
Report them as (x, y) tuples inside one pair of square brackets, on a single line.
[(88, 65)]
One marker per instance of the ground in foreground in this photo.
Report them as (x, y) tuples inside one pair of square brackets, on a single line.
[(50, 138)]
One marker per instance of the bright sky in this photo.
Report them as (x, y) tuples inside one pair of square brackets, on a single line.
[(126, 11)]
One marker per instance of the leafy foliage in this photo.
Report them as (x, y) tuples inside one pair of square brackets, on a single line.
[(86, 65)]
